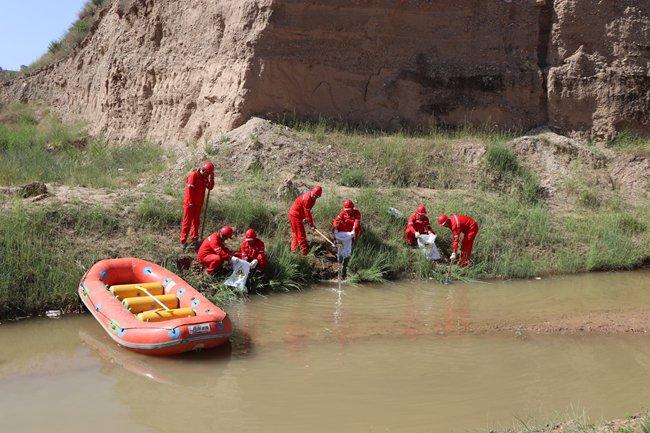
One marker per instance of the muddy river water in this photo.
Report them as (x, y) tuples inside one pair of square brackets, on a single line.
[(399, 357)]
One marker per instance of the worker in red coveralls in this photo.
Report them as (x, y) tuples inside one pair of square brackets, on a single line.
[(301, 211), (195, 184), (348, 220), (418, 224), (213, 252), (347, 228), (252, 250), (460, 224)]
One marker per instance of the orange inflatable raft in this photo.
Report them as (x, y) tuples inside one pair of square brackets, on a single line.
[(148, 309)]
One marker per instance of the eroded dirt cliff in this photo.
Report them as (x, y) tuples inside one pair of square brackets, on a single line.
[(182, 70)]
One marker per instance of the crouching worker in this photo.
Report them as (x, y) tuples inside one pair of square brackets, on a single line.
[(468, 227), (418, 224), (213, 252), (420, 234), (252, 250), (347, 228)]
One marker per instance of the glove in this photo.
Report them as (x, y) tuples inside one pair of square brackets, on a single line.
[(452, 258), (254, 264)]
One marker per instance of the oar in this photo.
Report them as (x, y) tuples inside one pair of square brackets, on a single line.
[(139, 287), (205, 211), (324, 237)]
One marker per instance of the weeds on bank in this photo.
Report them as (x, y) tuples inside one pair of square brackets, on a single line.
[(42, 148), (155, 212), (40, 263), (510, 175), (630, 142), (403, 157)]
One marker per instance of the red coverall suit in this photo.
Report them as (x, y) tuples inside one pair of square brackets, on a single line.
[(301, 210), (213, 253), (195, 186), (253, 250), (347, 221), (417, 223), (463, 224)]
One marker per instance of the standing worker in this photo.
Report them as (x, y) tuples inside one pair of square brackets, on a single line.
[(195, 184), (418, 224), (213, 252), (301, 211), (460, 224), (252, 250)]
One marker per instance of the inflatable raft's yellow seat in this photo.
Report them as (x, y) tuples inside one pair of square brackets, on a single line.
[(139, 304), (123, 291), (160, 315)]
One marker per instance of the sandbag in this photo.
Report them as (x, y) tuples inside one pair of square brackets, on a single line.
[(240, 271), (427, 243), (344, 244)]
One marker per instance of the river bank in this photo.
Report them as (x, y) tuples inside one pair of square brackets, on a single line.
[(110, 201)]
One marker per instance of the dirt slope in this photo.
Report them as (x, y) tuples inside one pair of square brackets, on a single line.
[(183, 70)]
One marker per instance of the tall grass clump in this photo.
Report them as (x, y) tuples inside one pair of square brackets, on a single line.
[(627, 141), (40, 267), (243, 211), (155, 212), (42, 148), (353, 177), (510, 175), (286, 271), (611, 240)]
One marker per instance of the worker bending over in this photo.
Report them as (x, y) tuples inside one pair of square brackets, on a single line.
[(468, 227), (213, 252), (195, 184), (301, 211), (252, 250), (347, 228), (418, 224)]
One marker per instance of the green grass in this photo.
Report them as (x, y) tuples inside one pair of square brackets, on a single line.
[(632, 143), (40, 262), (511, 176), (155, 212), (400, 158), (353, 177), (42, 148), (45, 249)]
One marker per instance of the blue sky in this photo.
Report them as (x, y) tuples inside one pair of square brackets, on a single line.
[(28, 26)]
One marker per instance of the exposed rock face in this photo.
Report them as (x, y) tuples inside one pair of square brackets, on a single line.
[(186, 69), (600, 80), (163, 70), (394, 63)]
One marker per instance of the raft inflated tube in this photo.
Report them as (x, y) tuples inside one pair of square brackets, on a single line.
[(160, 315), (123, 291), (144, 303)]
